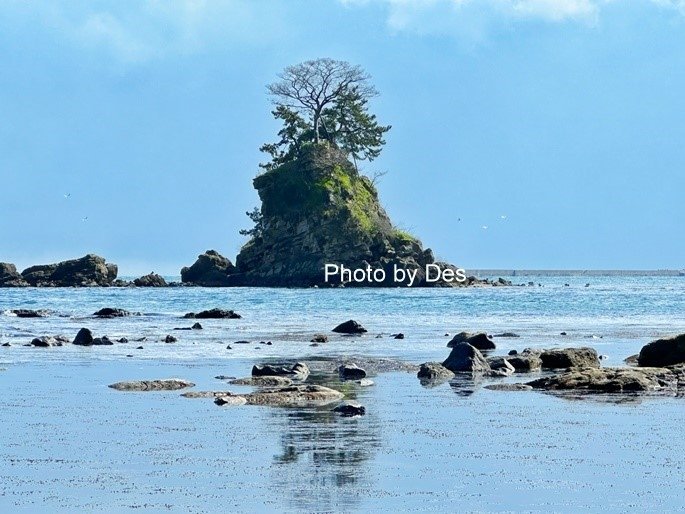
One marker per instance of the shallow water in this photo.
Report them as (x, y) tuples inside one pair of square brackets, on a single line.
[(70, 443)]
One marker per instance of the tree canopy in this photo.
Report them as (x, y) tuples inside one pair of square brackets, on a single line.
[(324, 100)]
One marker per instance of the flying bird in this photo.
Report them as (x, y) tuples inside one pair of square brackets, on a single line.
[(503, 216), (85, 218), (484, 227), (67, 195)]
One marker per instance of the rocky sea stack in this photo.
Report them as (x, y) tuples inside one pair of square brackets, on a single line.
[(316, 210)]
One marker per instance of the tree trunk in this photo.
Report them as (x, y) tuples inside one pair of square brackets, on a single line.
[(317, 115)]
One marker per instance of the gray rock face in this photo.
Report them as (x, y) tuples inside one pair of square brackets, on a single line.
[(350, 409), (166, 384), (150, 280), (610, 380), (349, 327), (10, 277), (84, 337), (263, 381), (434, 371), (481, 341), (213, 314), (90, 270), (569, 358), (211, 269), (351, 372), (299, 370), (294, 396), (663, 352), (466, 358)]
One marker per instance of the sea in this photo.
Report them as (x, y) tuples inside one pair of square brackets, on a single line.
[(69, 443)]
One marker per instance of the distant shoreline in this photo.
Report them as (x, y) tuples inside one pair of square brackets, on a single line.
[(578, 273)]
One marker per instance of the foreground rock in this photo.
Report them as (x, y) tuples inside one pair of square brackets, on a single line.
[(295, 396), (569, 358), (481, 341), (91, 270), (10, 277), (430, 371), (109, 312), (167, 384), (466, 358), (610, 380), (663, 352), (349, 327), (211, 269), (150, 280), (298, 370), (350, 409), (213, 314)]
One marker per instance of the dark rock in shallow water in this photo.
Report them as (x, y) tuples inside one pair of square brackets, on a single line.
[(211, 269), (351, 372), (206, 394), (507, 335), (398, 336), (263, 381), (213, 314), (167, 384), (109, 312), (663, 352), (319, 338), (102, 341), (84, 337), (508, 387), (230, 400), (350, 409), (569, 358), (294, 396), (46, 341), (500, 366), (150, 280), (90, 270), (480, 341), (299, 369), (29, 313), (170, 339), (525, 362), (429, 371), (10, 277), (610, 380), (349, 327), (466, 358)]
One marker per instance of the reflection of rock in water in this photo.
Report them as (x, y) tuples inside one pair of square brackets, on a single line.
[(465, 384), (322, 465)]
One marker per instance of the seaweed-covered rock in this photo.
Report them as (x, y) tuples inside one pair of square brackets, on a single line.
[(166, 384), (211, 269), (294, 396), (263, 381), (663, 352), (91, 270), (610, 380), (481, 341), (466, 358)]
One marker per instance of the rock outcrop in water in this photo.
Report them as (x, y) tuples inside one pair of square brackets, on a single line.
[(91, 270), (211, 269), (10, 277)]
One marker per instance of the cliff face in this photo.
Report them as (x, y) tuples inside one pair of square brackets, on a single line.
[(319, 210)]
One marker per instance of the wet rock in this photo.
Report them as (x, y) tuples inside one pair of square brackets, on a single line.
[(122, 340), (500, 366), (263, 381), (294, 396), (466, 358), (632, 360), (166, 384), (351, 372), (433, 371), (29, 313), (569, 358), (46, 341), (230, 400), (170, 339), (139, 348), (6, 344), (10, 277), (507, 335), (211, 269), (508, 387), (319, 338), (213, 314), (349, 327), (512, 352), (196, 326), (610, 380), (150, 280), (525, 362), (480, 341), (90, 270), (299, 369), (110, 312), (663, 352), (206, 394), (102, 341), (398, 336), (84, 337), (350, 409)]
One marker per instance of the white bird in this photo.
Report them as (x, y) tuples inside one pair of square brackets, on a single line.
[(484, 227), (503, 216)]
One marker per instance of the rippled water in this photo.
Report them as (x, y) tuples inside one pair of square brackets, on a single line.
[(70, 443)]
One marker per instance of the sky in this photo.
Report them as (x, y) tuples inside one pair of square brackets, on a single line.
[(131, 129)]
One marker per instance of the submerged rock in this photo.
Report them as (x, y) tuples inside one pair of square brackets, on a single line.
[(480, 341), (213, 314), (349, 327), (610, 380), (569, 358), (663, 352), (91, 270), (350, 409), (211, 269), (10, 277), (150, 280), (466, 358), (166, 384), (294, 396)]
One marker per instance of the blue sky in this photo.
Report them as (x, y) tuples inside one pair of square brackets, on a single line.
[(565, 116)]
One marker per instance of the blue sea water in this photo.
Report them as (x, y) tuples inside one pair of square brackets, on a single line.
[(69, 443)]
